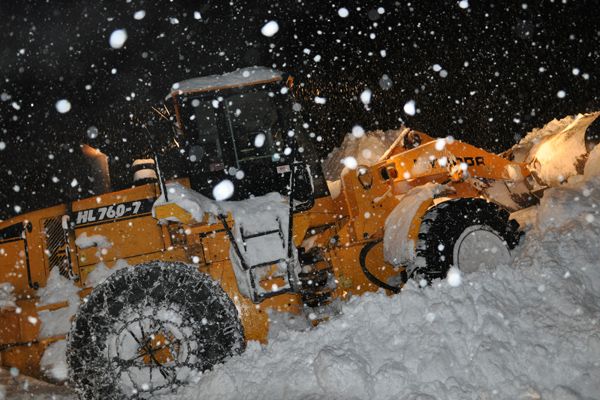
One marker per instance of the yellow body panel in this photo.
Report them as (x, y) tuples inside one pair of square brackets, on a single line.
[(14, 270), (171, 210), (128, 239)]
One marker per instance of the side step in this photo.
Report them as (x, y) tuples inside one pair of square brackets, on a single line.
[(316, 280)]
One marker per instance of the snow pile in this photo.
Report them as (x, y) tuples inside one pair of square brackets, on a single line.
[(592, 165), (84, 241), (366, 149), (101, 272), (58, 322), (529, 330), (556, 151), (191, 201), (7, 297), (54, 361), (57, 289), (537, 134)]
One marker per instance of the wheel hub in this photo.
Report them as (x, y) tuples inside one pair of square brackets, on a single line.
[(479, 247), (159, 349), (153, 352)]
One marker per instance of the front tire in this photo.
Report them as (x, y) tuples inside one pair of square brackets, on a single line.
[(149, 329), (469, 234)]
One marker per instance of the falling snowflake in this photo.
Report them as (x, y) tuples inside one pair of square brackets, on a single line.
[(410, 107), (358, 131), (350, 162), (223, 190), (259, 140), (63, 106), (92, 132), (117, 38), (365, 96), (270, 28), (440, 144)]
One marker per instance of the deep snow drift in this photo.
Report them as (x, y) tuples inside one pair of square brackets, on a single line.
[(525, 331)]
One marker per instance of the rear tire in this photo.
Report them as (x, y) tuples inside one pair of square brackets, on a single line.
[(147, 330), (465, 233)]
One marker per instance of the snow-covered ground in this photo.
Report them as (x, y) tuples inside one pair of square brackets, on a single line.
[(19, 387)]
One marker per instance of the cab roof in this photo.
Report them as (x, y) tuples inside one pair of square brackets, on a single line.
[(238, 78)]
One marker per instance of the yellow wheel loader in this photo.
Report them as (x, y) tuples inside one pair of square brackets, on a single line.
[(146, 287)]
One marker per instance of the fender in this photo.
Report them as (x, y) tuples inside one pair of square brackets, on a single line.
[(403, 223)]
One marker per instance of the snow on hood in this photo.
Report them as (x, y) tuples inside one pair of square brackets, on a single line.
[(528, 330), (191, 201)]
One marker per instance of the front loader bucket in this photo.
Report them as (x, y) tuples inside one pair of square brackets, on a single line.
[(557, 151)]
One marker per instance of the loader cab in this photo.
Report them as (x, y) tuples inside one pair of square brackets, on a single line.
[(242, 127)]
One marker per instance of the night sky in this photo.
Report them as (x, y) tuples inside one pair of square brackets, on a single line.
[(485, 73)]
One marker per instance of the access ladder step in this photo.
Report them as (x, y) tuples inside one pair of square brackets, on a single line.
[(278, 231)]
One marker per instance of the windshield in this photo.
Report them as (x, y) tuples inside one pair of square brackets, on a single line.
[(232, 128)]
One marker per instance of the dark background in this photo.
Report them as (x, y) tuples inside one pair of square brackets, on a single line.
[(505, 63)]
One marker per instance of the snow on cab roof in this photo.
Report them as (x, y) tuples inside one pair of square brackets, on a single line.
[(239, 77)]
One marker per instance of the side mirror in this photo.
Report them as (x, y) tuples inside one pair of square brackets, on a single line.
[(411, 140)]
